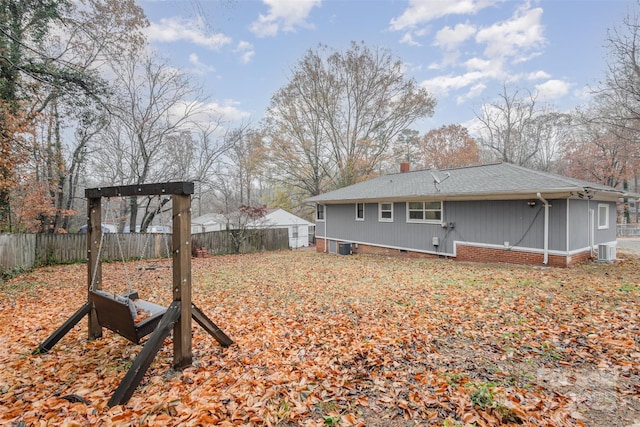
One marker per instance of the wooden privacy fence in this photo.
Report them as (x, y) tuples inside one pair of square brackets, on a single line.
[(28, 250), (17, 250), (236, 241)]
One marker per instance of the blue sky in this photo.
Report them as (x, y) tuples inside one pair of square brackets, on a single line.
[(463, 51)]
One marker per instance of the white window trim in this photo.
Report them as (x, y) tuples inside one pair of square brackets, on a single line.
[(380, 219), (426, 221), (324, 213), (363, 206), (606, 217)]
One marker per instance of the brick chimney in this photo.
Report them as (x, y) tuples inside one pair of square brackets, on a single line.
[(405, 167)]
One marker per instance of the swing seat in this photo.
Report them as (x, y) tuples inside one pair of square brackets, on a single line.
[(118, 314)]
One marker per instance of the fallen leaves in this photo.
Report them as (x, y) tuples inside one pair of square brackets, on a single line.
[(330, 340)]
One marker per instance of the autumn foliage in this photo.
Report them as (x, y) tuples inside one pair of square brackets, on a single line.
[(340, 340), (449, 147), (33, 207), (13, 153)]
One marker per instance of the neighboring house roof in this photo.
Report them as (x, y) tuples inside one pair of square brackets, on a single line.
[(283, 218), (209, 219), (494, 181), (273, 217)]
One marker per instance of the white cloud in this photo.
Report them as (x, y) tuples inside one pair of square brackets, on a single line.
[(537, 75), (552, 89), (204, 114), (283, 15), (518, 36), (177, 29), (584, 93), (226, 110), (474, 92), (408, 39), (246, 51), (441, 85), (450, 38), (450, 58), (199, 66), (489, 67), (474, 126), (424, 11)]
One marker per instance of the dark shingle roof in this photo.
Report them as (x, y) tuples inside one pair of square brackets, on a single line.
[(500, 180)]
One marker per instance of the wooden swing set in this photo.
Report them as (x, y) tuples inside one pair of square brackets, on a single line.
[(118, 312)]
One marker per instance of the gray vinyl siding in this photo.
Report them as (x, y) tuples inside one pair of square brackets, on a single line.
[(508, 221), (579, 226), (482, 222), (609, 234), (399, 234), (477, 222)]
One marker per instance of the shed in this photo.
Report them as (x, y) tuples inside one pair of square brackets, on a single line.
[(298, 227)]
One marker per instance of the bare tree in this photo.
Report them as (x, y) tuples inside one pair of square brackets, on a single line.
[(599, 149), (518, 129), (154, 104), (246, 160), (506, 124), (341, 111), (89, 123), (622, 83)]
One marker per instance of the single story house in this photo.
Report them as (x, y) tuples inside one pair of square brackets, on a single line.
[(298, 227), (495, 212), (208, 222)]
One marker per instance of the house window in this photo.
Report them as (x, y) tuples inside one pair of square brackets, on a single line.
[(385, 212), (603, 216), (294, 231), (359, 211), (430, 212), (320, 212)]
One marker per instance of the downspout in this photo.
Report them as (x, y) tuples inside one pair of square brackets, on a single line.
[(592, 225), (326, 249), (545, 260)]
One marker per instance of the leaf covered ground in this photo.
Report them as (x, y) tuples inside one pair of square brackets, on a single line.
[(339, 340)]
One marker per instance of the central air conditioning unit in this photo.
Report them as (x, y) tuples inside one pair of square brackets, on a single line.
[(606, 253)]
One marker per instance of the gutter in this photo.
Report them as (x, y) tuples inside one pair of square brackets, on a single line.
[(545, 260)]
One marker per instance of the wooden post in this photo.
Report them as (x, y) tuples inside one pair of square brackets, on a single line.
[(182, 356), (94, 266)]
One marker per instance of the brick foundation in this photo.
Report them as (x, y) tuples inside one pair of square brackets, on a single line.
[(478, 254), (380, 251), (474, 254), (377, 250)]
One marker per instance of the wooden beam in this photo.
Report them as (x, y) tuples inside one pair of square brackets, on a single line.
[(142, 362), (168, 188), (208, 325), (94, 266), (63, 329), (182, 355)]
